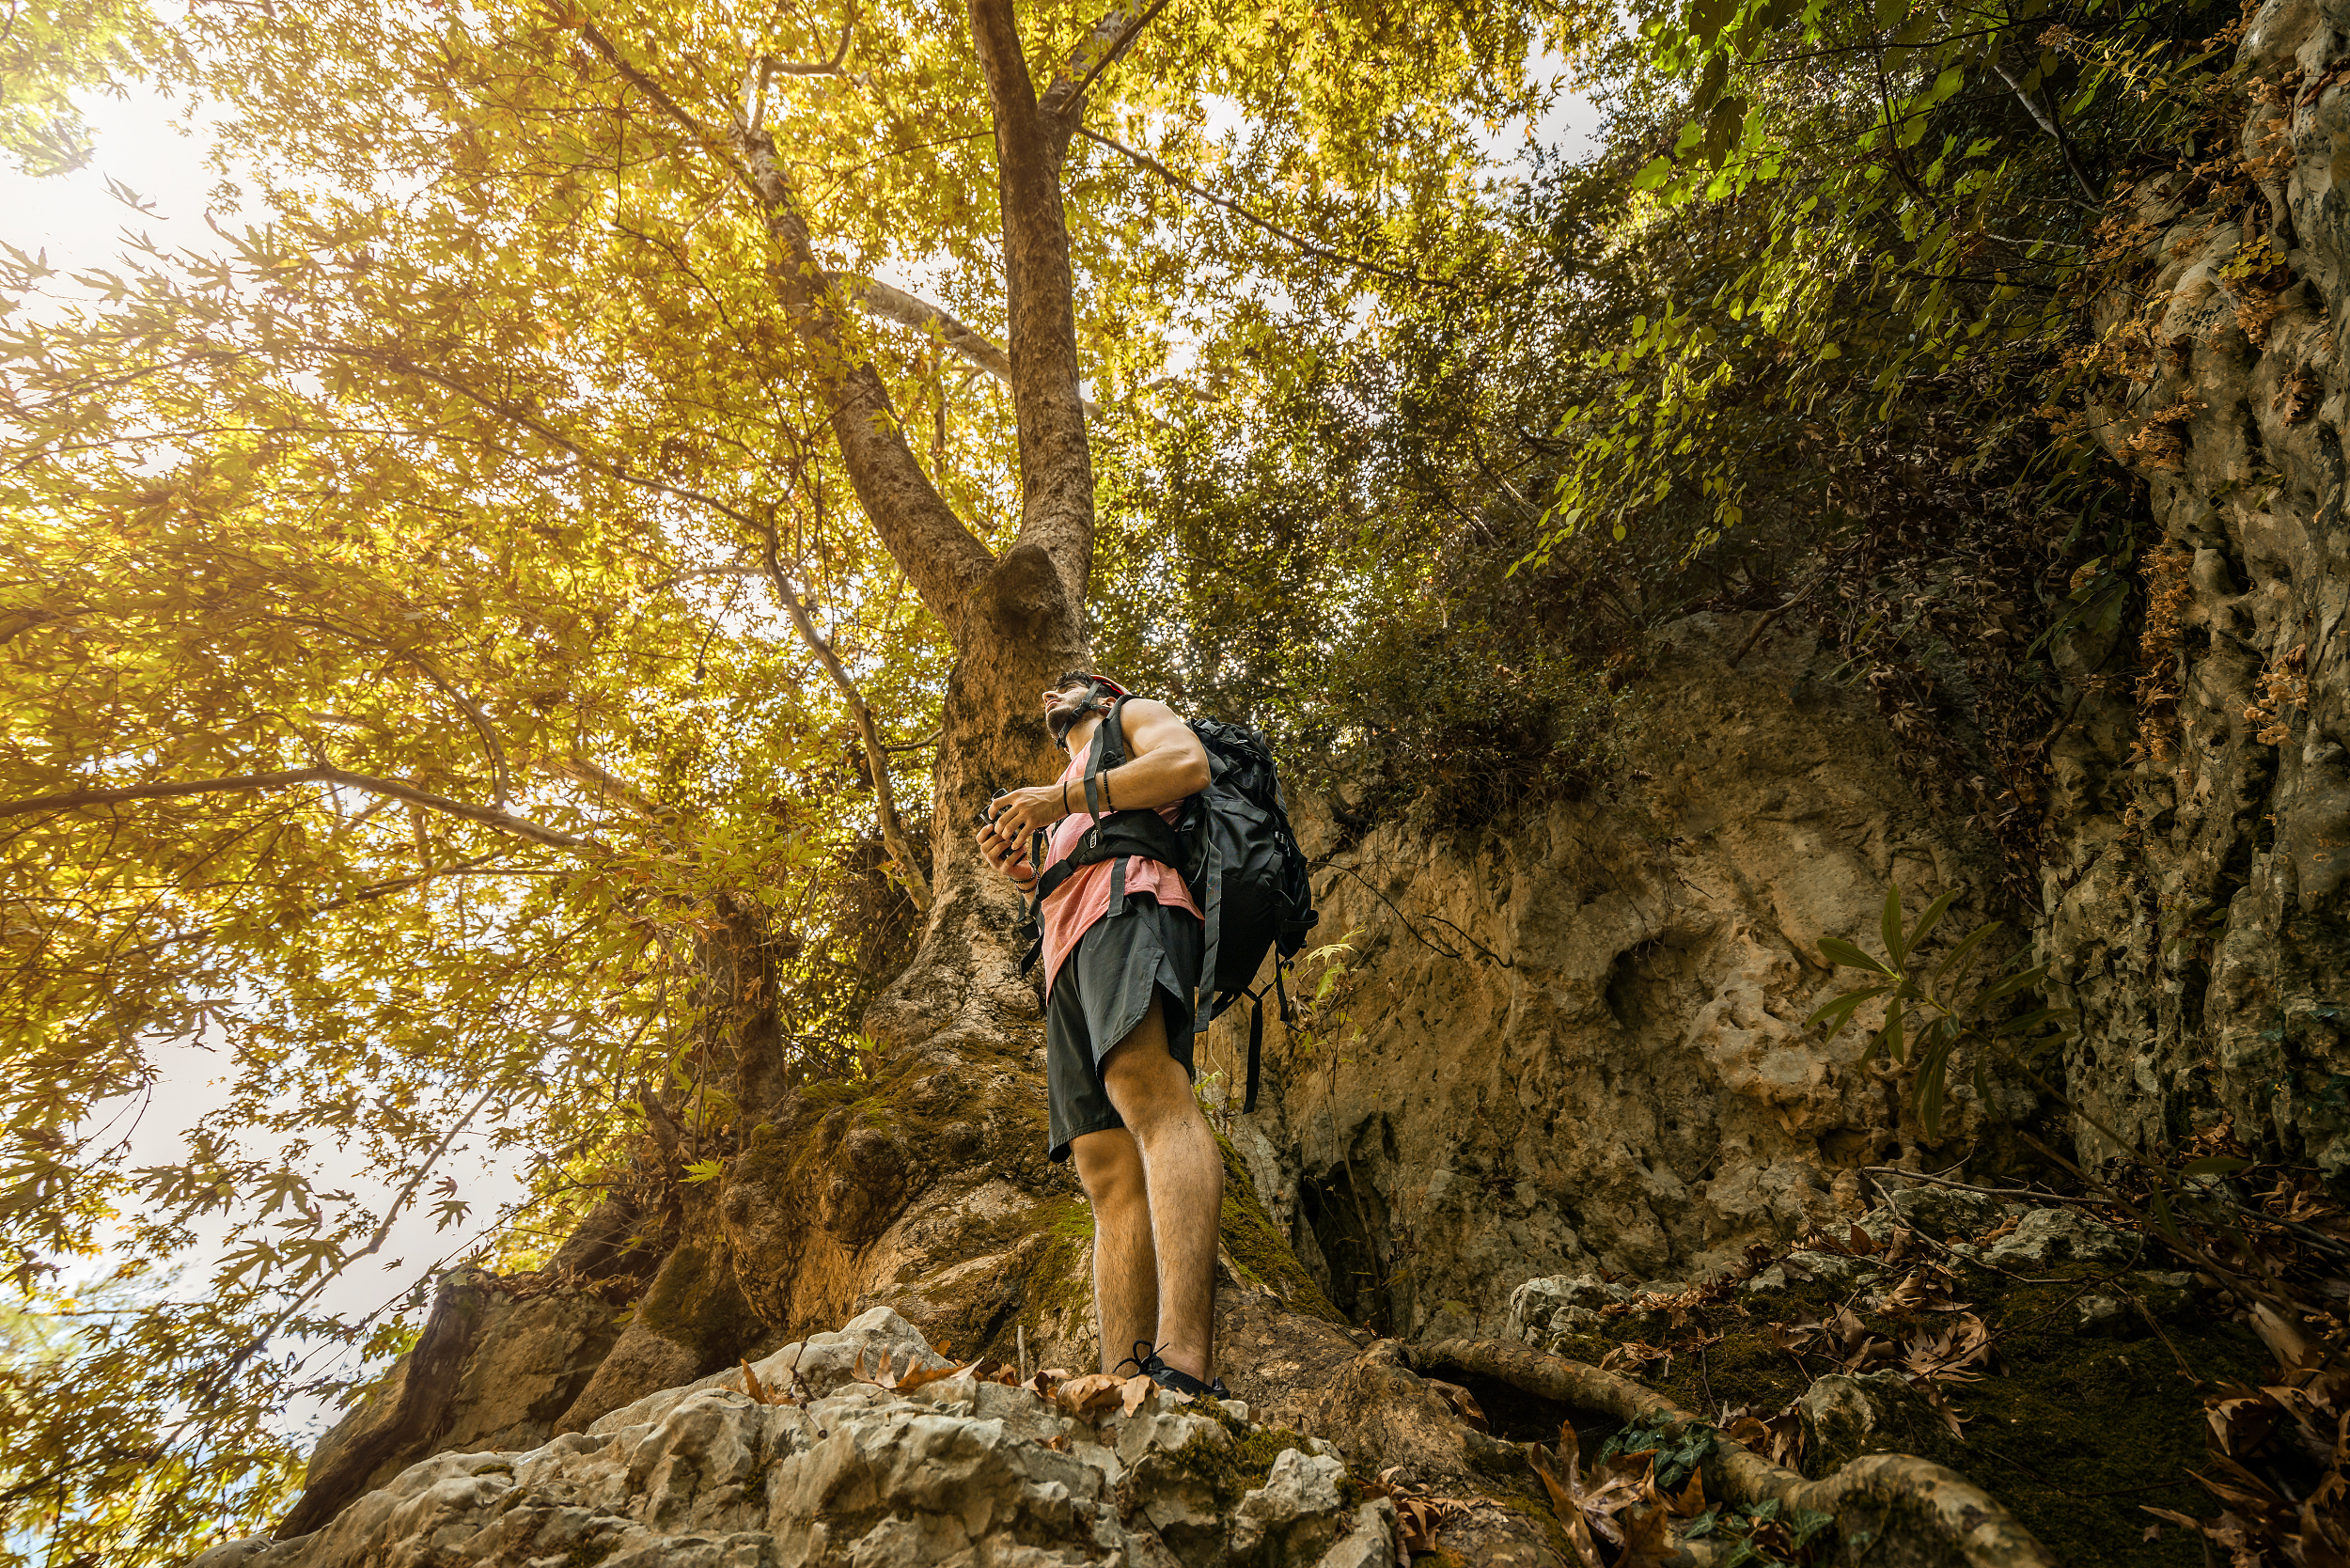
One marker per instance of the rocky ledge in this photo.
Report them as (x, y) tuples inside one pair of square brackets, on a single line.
[(865, 1448)]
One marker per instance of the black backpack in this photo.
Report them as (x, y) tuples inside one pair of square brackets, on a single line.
[(1232, 844)]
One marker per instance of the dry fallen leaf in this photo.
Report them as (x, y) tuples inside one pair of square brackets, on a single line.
[(1562, 1503), (916, 1379), (1133, 1392), (1419, 1516), (1093, 1391), (1646, 1541), (1415, 1522)]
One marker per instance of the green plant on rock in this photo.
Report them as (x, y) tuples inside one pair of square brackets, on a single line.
[(1929, 1016)]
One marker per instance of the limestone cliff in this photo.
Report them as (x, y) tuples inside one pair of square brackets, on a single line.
[(2194, 903), (1576, 1039)]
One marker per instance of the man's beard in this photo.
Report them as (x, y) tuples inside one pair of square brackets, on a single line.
[(1062, 720)]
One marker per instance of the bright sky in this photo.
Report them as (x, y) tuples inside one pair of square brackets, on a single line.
[(75, 219)]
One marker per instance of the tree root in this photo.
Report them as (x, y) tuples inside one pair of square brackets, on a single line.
[(1930, 1514)]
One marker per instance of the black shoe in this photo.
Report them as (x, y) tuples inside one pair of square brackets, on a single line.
[(1168, 1377)]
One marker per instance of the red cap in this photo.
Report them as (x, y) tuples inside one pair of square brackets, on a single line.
[(1098, 680)]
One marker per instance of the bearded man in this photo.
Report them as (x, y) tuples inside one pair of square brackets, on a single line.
[(1118, 1028)]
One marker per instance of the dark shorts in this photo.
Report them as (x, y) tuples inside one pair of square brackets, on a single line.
[(1104, 988)]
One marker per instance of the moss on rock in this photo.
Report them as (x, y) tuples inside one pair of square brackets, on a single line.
[(695, 1303), (1258, 1252), (1243, 1461)]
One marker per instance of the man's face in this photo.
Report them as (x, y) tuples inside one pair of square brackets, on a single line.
[(1062, 705)]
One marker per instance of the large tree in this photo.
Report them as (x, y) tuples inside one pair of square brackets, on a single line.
[(466, 643)]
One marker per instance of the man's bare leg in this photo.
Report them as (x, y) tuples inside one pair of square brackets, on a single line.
[(1125, 1271), (1185, 1176)]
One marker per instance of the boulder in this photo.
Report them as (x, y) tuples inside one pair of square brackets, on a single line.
[(845, 1472), (1845, 1414), (1946, 1214), (2046, 1237), (1560, 1303), (1832, 1268)]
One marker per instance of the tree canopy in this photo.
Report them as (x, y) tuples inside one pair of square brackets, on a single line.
[(433, 612)]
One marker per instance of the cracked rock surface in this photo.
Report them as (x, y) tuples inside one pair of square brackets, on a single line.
[(848, 1472)]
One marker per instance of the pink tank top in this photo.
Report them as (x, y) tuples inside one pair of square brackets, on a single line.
[(1085, 898)]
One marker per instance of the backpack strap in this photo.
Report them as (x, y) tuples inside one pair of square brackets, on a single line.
[(1256, 1046), (1255, 1025), (1212, 914), (1108, 751)]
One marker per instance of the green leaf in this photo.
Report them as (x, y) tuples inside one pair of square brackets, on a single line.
[(2024, 981), (1968, 944), (1837, 950), (2031, 1020), (1709, 85), (1896, 952), (1932, 1069), (1842, 1008), (1890, 1037), (704, 1171), (1931, 918), (1722, 129), (1707, 17), (2160, 1200)]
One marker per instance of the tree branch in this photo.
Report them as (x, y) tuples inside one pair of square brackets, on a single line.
[(585, 770), (1201, 192), (820, 68), (896, 305), (2047, 122), (894, 836), (921, 315), (941, 556), (501, 781), (375, 1242), (522, 827), (701, 134), (1064, 100), (1056, 464)]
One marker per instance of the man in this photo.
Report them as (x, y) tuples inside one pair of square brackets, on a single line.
[(1118, 1035)]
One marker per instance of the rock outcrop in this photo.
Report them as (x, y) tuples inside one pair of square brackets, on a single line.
[(1573, 1041), (1576, 1040), (829, 1453), (2196, 904)]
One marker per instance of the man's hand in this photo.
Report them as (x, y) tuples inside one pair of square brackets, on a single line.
[(1021, 812), (1007, 856)]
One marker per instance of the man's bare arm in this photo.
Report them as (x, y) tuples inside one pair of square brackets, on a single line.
[(1164, 762)]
